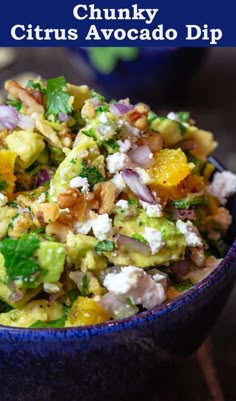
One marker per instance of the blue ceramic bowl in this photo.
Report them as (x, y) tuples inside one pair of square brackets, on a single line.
[(155, 73), (114, 361)]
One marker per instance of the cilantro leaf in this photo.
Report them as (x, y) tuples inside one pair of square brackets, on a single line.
[(3, 184), (57, 96), (15, 103), (85, 288), (183, 116), (111, 143), (139, 238), (19, 261), (183, 285), (35, 85), (104, 246), (92, 174), (53, 324)]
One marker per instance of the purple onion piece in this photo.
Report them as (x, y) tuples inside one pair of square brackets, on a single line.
[(142, 191), (120, 108), (25, 122), (16, 294), (141, 156), (133, 244), (8, 116), (42, 177), (182, 267), (63, 117), (117, 305), (184, 214)]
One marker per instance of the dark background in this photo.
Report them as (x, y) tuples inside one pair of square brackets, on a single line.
[(210, 96)]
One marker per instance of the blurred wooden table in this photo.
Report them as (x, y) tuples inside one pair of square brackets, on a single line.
[(211, 99)]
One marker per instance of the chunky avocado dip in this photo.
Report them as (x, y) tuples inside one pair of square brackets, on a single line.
[(106, 208)]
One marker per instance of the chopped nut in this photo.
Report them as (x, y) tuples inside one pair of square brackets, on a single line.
[(69, 198), (47, 132), (59, 230), (138, 117), (45, 212), (22, 94), (105, 192), (88, 110), (21, 225), (153, 140)]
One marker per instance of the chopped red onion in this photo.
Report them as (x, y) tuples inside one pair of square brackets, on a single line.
[(16, 294), (142, 191), (117, 305), (8, 117), (118, 109), (184, 214), (63, 117), (182, 267), (25, 122), (42, 177), (141, 156), (133, 244)]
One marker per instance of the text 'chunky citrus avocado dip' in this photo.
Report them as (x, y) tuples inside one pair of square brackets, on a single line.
[(106, 208)]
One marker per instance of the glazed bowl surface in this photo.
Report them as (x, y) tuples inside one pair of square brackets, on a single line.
[(118, 360)]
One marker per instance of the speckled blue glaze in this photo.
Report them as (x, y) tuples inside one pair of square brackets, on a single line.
[(118, 360), (156, 75)]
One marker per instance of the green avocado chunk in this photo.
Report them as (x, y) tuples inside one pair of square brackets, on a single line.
[(51, 258), (81, 251), (71, 166), (173, 250)]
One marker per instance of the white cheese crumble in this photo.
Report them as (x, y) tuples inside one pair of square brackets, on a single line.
[(154, 239), (223, 186), (119, 183), (137, 285), (102, 227), (144, 176), (51, 288), (190, 233), (117, 161), (3, 200), (152, 210), (124, 204), (80, 182), (124, 146), (173, 116), (82, 227), (103, 118), (41, 198), (130, 130)]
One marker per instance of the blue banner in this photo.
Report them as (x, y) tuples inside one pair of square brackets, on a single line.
[(119, 23)]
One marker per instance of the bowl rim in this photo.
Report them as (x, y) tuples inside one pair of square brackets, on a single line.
[(143, 317)]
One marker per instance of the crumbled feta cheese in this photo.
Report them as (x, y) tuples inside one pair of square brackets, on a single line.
[(41, 198), (154, 239), (3, 200), (80, 182), (124, 204), (173, 116), (223, 186), (190, 233), (144, 176), (152, 210), (51, 288), (117, 161), (136, 284), (103, 118), (82, 227), (119, 183), (130, 130), (124, 146), (102, 227)]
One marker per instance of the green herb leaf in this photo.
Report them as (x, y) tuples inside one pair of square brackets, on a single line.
[(15, 103), (53, 324), (139, 238), (74, 294), (186, 203), (102, 108), (111, 143), (90, 132), (183, 285), (93, 93), (19, 261), (104, 246), (92, 174), (12, 204), (3, 184), (84, 289), (57, 96), (35, 85), (183, 116)]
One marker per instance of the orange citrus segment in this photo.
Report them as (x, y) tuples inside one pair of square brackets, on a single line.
[(7, 164), (86, 311), (170, 167)]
